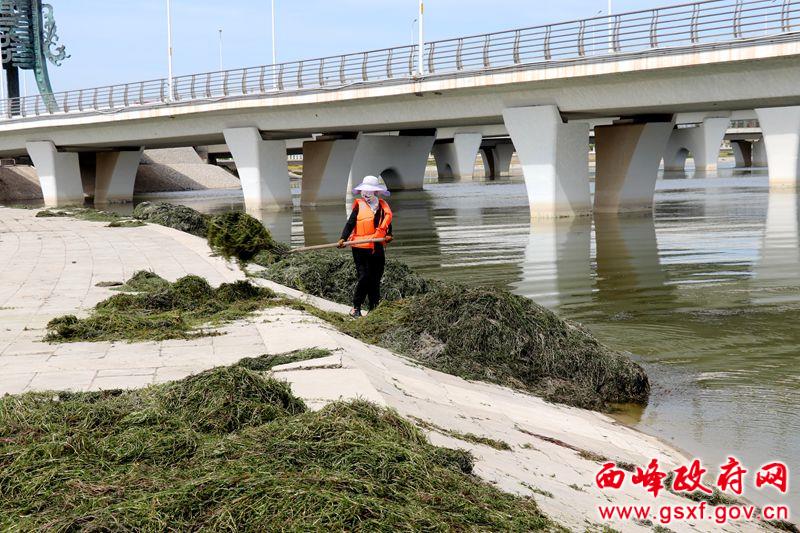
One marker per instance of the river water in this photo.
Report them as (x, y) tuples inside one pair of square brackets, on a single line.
[(705, 293)]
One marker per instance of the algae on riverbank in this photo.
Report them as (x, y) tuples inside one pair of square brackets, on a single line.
[(81, 213), (330, 274), (237, 235), (489, 334), (161, 310), (228, 449), (173, 216)]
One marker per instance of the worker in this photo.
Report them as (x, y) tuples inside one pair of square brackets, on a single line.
[(371, 218)]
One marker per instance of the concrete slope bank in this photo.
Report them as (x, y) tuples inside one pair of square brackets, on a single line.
[(50, 267)]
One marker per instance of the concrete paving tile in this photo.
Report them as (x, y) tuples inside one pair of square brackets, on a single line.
[(15, 383), (116, 372), (132, 381), (62, 380), (332, 385)]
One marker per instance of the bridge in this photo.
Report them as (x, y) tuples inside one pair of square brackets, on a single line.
[(636, 79)]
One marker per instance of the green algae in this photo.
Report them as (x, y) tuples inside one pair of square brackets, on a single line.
[(232, 450), (160, 310)]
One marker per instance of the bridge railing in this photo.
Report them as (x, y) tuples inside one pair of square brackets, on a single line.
[(698, 24)]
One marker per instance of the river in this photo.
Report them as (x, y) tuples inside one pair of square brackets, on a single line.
[(705, 293)]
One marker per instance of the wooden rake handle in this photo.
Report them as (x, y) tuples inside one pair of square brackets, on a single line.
[(336, 245)]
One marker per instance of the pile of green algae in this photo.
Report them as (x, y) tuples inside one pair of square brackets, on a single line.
[(232, 449)]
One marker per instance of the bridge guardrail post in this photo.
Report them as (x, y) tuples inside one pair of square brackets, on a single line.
[(244, 81), (515, 54), (737, 20), (547, 54), (389, 63), (693, 32), (654, 29), (300, 75), (280, 77), (786, 24), (364, 76)]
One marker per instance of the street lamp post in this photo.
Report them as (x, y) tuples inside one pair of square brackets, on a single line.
[(220, 49), (421, 47), (274, 50), (171, 81)]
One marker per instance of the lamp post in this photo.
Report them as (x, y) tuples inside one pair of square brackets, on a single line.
[(420, 49), (170, 82), (220, 49), (274, 50)]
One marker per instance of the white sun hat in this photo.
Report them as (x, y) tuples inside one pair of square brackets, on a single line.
[(371, 184)]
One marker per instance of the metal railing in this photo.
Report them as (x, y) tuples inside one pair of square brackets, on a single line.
[(660, 30)]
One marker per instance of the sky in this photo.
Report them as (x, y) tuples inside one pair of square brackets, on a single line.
[(117, 41)]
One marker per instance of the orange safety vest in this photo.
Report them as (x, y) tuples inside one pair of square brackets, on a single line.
[(365, 223)]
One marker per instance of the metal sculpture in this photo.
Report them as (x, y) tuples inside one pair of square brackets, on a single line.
[(28, 40)]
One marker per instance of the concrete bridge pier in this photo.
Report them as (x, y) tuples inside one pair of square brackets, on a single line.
[(781, 130), (759, 154), (627, 161), (326, 168), (703, 141), (115, 175), (59, 174), (456, 159), (263, 170), (554, 158), (742, 153), (399, 159), (497, 159)]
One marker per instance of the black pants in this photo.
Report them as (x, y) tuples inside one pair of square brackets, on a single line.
[(369, 267)]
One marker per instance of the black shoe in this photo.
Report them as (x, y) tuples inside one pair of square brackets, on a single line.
[(355, 312)]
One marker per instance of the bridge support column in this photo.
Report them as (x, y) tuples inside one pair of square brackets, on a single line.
[(497, 159), (759, 154), (59, 174), (326, 167), (115, 175), (554, 158), (628, 156), (503, 153), (703, 141), (781, 129), (742, 153), (399, 159), (457, 159), (263, 169)]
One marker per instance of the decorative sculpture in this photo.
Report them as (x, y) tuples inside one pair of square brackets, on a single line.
[(28, 40)]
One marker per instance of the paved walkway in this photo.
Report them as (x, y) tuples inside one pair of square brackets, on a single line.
[(50, 266)]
